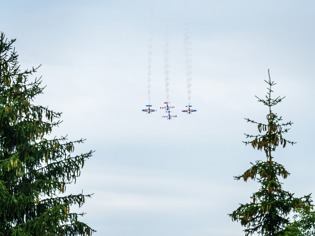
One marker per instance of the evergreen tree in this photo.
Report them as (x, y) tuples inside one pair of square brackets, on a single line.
[(268, 211), (34, 169)]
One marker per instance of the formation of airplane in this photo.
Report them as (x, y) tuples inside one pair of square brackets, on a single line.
[(148, 109), (167, 109), (189, 110)]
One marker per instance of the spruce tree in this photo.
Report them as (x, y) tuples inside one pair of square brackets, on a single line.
[(268, 212), (34, 168)]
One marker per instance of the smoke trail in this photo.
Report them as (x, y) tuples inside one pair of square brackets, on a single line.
[(150, 47), (166, 51), (188, 49), (167, 71)]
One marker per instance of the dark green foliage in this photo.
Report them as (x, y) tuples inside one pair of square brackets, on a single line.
[(303, 225), (34, 169), (268, 211)]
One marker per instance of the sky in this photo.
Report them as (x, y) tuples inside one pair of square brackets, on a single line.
[(151, 176)]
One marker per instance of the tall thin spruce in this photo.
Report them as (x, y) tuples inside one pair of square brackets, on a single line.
[(268, 211), (34, 169)]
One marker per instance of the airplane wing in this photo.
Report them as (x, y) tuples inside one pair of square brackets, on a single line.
[(169, 116)]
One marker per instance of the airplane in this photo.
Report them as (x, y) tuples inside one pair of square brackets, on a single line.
[(167, 107), (189, 110), (149, 109), (169, 116)]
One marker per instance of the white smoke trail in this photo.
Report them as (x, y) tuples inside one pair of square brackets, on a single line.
[(167, 51), (167, 71), (188, 49), (150, 47)]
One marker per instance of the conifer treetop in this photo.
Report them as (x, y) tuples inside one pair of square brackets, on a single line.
[(269, 209), (35, 168), (270, 133)]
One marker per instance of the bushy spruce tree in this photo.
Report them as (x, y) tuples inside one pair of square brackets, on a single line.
[(269, 209), (34, 169)]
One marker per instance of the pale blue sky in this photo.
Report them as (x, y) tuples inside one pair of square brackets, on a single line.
[(153, 177)]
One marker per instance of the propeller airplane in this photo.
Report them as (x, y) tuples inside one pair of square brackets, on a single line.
[(169, 116), (189, 110), (148, 109), (167, 107)]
